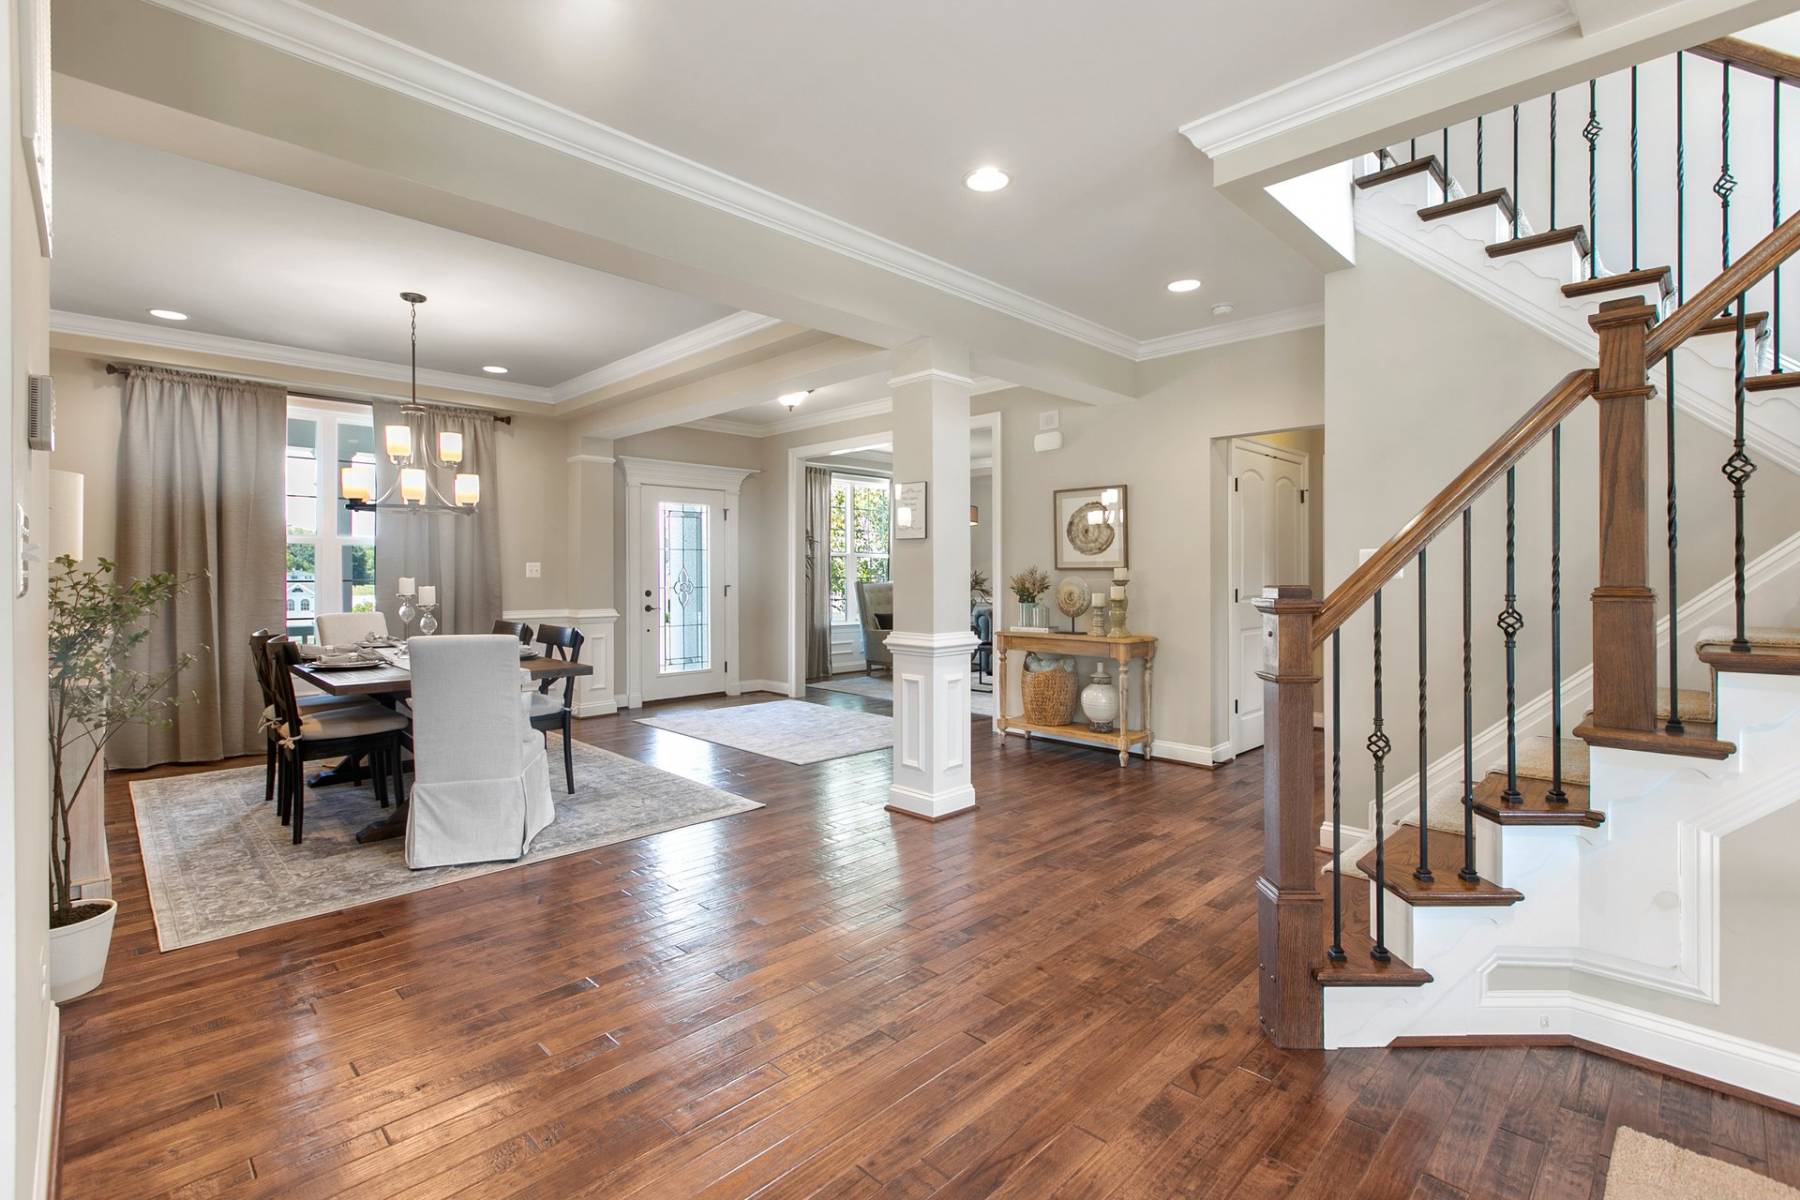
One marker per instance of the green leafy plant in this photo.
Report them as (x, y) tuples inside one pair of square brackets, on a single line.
[(980, 591), (1029, 584), (95, 623)]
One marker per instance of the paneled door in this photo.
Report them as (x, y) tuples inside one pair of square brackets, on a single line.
[(682, 607), (1268, 546)]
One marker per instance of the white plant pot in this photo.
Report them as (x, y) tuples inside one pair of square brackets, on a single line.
[(78, 953)]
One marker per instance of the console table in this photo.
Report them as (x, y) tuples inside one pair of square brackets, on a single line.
[(1121, 650)]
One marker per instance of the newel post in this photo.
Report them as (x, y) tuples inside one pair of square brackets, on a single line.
[(1290, 912), (1624, 605)]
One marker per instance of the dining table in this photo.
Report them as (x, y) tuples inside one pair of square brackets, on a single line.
[(390, 682)]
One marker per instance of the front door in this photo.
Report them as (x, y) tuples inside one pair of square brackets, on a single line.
[(1268, 545), (682, 606)]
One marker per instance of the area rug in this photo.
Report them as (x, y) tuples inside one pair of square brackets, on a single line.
[(1648, 1168), (881, 687), (791, 730), (219, 863)]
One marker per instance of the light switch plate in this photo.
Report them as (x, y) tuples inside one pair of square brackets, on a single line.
[(534, 570)]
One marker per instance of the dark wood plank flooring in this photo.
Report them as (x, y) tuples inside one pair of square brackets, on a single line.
[(1053, 997)]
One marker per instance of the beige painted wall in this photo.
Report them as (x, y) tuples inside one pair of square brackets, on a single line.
[(981, 545)]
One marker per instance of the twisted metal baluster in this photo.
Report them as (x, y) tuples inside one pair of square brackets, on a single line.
[(1591, 134), (1673, 724), (1423, 871), (1468, 868), (1556, 795), (1553, 160), (1517, 205), (1446, 136), (1680, 183), (1336, 952), (1738, 469), (1480, 152), (1634, 168), (1775, 193), (1510, 623), (1379, 745), (1726, 183)]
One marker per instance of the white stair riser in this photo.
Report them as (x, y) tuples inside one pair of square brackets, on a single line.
[(1415, 191)]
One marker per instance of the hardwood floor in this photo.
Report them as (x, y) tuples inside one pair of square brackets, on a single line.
[(1052, 997)]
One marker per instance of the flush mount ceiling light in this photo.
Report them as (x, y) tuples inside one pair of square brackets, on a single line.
[(793, 400), (1178, 286), (495, 370), (168, 314), (986, 179), (1223, 310)]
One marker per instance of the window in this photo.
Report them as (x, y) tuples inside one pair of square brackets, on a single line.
[(860, 539), (330, 550)]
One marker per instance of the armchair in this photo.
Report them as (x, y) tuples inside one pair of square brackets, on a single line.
[(875, 605)]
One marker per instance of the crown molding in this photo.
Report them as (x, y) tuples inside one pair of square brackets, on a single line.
[(799, 421), (663, 354), (1288, 320), (339, 45), (1423, 54), (932, 373), (168, 338)]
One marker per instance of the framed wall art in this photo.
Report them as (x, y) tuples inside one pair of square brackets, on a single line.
[(1091, 528), (909, 510)]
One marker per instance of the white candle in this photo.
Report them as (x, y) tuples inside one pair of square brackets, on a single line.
[(1121, 575), (450, 446), (428, 594), (468, 490), (1118, 593), (399, 441), (408, 585), (1099, 599), (412, 485)]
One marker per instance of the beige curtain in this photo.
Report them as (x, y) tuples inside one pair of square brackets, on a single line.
[(201, 490), (458, 555), (818, 572)]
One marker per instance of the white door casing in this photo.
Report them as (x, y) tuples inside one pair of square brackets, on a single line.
[(649, 483), (1268, 544)]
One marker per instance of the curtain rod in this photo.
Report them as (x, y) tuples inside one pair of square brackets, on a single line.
[(125, 368)]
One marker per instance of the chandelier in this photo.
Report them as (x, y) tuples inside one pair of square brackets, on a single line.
[(416, 491)]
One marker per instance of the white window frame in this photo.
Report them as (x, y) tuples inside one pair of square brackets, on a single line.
[(850, 480), (327, 543)]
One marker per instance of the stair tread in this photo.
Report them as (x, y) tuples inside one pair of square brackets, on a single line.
[(1428, 163), (1359, 969), (1533, 241), (1696, 705), (1698, 740), (1773, 650), (1662, 276), (1499, 197), (1536, 762), (1534, 808), (1753, 323), (1401, 850), (1772, 383)]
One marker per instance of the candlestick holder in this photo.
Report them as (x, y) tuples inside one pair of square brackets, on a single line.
[(1118, 608), (428, 622), (406, 612)]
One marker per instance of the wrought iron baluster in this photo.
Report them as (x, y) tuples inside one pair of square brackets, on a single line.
[(1726, 183), (1634, 169), (1775, 194), (1738, 469), (1591, 134), (1468, 868), (1480, 153), (1510, 623), (1518, 204), (1336, 953), (1379, 746), (1552, 160), (1423, 871), (1556, 795), (1412, 149), (1446, 137), (1674, 723), (1680, 184)]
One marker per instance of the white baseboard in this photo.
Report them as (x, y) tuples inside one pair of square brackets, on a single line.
[(47, 1104), (778, 686), (598, 707), (1181, 752)]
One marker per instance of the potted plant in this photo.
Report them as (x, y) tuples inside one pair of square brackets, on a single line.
[(980, 591), (1027, 586), (95, 622)]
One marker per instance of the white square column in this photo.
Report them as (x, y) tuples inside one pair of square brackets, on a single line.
[(931, 642)]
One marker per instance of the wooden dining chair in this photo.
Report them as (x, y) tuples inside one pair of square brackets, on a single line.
[(518, 629), (259, 658), (547, 711), (301, 736)]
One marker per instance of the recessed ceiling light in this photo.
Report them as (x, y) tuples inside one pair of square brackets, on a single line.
[(495, 370), (986, 179), (1184, 285), (1223, 310), (168, 314)]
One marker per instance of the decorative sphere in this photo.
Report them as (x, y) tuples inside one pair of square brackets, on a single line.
[(1072, 597)]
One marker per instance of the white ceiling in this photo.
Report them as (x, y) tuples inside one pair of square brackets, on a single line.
[(246, 258), (873, 113)]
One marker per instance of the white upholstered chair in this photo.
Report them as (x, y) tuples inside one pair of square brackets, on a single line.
[(346, 629), (481, 785)]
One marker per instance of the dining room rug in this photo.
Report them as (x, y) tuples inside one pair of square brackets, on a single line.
[(218, 862), (1648, 1168), (793, 731), (881, 687)]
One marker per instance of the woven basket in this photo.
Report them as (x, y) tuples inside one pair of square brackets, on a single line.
[(1049, 697)]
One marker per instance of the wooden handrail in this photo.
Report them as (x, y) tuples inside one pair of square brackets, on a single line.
[(1736, 279), (1361, 584), (1757, 59)]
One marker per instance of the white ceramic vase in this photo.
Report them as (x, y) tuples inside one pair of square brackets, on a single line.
[(1100, 701), (78, 953)]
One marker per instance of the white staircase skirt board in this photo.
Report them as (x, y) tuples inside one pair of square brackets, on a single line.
[(1529, 286), (1636, 900)]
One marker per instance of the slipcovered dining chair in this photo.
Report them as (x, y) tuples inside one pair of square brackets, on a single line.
[(347, 629), (518, 629), (366, 729), (481, 787), (875, 605), (550, 712)]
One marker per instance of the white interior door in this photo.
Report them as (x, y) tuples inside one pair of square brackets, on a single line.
[(1268, 546), (682, 607)]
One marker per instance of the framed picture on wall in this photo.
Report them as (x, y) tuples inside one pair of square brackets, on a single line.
[(909, 510), (1090, 528)]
